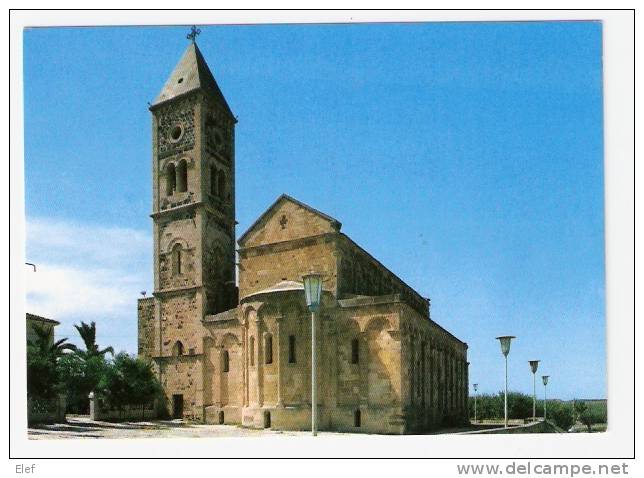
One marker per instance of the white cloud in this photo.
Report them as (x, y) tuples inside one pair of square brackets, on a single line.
[(77, 243), (57, 290), (88, 272)]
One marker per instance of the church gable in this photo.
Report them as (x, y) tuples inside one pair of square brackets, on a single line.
[(285, 220)]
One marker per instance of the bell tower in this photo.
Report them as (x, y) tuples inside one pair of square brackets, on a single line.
[(193, 165)]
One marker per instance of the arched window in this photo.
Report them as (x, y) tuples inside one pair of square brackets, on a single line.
[(226, 361), (252, 350), (268, 349), (177, 259), (182, 176), (177, 349), (355, 351), (213, 180), (221, 184), (170, 179)]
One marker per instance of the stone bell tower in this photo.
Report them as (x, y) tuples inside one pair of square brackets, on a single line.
[(193, 164)]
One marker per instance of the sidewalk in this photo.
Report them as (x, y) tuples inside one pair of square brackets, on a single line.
[(82, 427)]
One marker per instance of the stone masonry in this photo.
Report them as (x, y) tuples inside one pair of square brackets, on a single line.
[(235, 348)]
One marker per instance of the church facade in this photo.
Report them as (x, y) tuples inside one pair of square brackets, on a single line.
[(231, 341)]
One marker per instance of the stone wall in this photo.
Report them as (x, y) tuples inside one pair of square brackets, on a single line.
[(182, 232), (147, 330), (224, 361), (182, 113), (46, 410), (285, 221), (179, 361), (98, 411), (376, 377), (373, 385), (263, 267), (180, 324), (362, 274), (183, 376), (218, 264), (435, 383)]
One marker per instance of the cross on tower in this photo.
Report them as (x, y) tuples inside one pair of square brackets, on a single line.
[(194, 31)]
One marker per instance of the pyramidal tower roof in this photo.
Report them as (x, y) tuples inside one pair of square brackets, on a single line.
[(190, 74)]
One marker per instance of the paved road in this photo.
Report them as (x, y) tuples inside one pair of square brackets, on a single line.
[(83, 427)]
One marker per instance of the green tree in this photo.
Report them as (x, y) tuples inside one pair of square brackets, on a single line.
[(491, 406), (128, 380), (561, 413), (79, 373), (579, 408), (79, 376), (43, 355), (88, 334), (589, 416), (519, 405)]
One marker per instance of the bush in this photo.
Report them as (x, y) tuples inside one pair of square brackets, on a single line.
[(561, 413), (59, 367), (42, 375), (43, 355), (589, 413), (591, 416), (519, 405), (492, 406), (128, 381), (78, 377), (488, 406)]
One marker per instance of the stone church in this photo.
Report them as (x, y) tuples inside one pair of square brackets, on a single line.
[(227, 327)]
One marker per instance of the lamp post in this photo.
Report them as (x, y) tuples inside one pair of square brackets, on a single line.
[(545, 398), (505, 341), (312, 292), (534, 365), (476, 387)]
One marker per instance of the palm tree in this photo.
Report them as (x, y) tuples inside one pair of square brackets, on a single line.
[(45, 347), (88, 334), (42, 359)]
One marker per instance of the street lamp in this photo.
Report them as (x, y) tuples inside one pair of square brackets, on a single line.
[(476, 387), (505, 341), (545, 383), (312, 292), (534, 365)]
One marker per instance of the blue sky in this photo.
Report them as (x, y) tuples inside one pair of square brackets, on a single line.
[(468, 158)]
